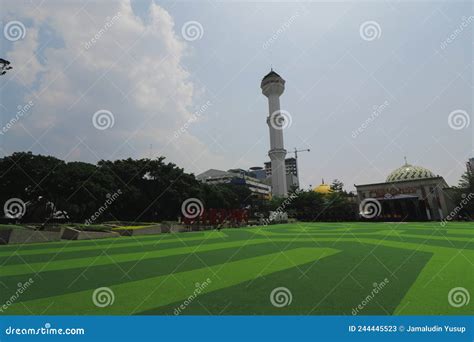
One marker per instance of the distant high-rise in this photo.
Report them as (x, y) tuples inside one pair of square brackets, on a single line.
[(272, 87), (258, 172), (290, 166), (291, 169)]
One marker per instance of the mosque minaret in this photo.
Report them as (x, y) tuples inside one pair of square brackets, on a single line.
[(272, 87)]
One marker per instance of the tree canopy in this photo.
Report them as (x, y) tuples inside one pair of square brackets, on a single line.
[(142, 189), (153, 190)]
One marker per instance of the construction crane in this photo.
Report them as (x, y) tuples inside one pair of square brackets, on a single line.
[(295, 151)]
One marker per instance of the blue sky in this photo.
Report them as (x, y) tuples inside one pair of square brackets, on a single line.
[(151, 78)]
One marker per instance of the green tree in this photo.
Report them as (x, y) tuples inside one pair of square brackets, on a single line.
[(337, 186), (30, 178)]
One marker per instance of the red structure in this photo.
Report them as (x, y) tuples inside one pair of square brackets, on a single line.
[(216, 217)]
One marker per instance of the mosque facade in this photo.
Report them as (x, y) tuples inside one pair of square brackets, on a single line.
[(409, 193)]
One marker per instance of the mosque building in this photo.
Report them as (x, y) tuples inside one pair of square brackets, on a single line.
[(410, 193), (323, 188)]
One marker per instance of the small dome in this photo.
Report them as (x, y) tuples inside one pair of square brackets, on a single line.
[(409, 172), (272, 78), (271, 74), (323, 188)]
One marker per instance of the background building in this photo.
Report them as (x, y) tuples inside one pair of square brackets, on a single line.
[(258, 172), (290, 167), (238, 177), (410, 193), (291, 170)]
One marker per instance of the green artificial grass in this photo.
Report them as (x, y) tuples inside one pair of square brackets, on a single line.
[(329, 269)]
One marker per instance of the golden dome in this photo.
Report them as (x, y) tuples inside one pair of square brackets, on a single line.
[(323, 188)]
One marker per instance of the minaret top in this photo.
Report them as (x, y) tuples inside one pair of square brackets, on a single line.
[(271, 74), (272, 83)]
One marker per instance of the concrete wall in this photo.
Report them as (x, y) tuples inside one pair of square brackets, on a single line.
[(74, 234), (155, 229), (173, 227), (14, 236)]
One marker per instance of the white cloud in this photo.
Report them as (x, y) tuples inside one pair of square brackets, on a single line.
[(23, 55), (132, 68)]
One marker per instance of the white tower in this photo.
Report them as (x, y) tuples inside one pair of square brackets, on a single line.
[(272, 87)]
